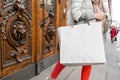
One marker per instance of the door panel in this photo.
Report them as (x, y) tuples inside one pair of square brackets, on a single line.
[(49, 27), (0, 58), (0, 41), (16, 33), (47, 30), (52, 17)]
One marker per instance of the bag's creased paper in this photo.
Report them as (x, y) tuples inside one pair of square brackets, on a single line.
[(81, 45)]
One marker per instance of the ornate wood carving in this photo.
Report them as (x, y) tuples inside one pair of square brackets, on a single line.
[(49, 32), (0, 40), (49, 27), (16, 31)]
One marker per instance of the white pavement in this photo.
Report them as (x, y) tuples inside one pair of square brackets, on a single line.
[(73, 73)]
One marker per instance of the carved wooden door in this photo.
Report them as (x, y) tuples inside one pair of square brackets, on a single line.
[(48, 27), (15, 34), (51, 14)]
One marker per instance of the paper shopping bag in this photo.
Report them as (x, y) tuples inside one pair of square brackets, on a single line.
[(81, 45)]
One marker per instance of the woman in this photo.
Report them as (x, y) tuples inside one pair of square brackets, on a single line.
[(82, 12)]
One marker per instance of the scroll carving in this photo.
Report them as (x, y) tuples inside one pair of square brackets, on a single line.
[(49, 32), (49, 28), (19, 32), (16, 28)]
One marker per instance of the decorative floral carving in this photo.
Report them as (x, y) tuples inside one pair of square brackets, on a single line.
[(16, 28), (49, 31), (16, 54), (19, 32)]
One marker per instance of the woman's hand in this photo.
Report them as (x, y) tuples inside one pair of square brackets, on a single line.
[(100, 16)]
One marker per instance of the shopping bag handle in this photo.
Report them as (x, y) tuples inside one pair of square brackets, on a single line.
[(72, 26), (87, 23)]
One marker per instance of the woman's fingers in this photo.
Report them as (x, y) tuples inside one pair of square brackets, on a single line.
[(99, 16)]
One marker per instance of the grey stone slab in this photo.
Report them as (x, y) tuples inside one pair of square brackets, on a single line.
[(113, 76), (24, 74), (68, 73), (75, 73), (98, 72), (45, 73)]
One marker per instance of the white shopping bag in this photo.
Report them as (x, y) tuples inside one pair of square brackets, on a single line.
[(81, 45)]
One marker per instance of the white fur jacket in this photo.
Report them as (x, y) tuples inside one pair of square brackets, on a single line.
[(80, 10)]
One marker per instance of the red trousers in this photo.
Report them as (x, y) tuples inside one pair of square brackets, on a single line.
[(59, 67)]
